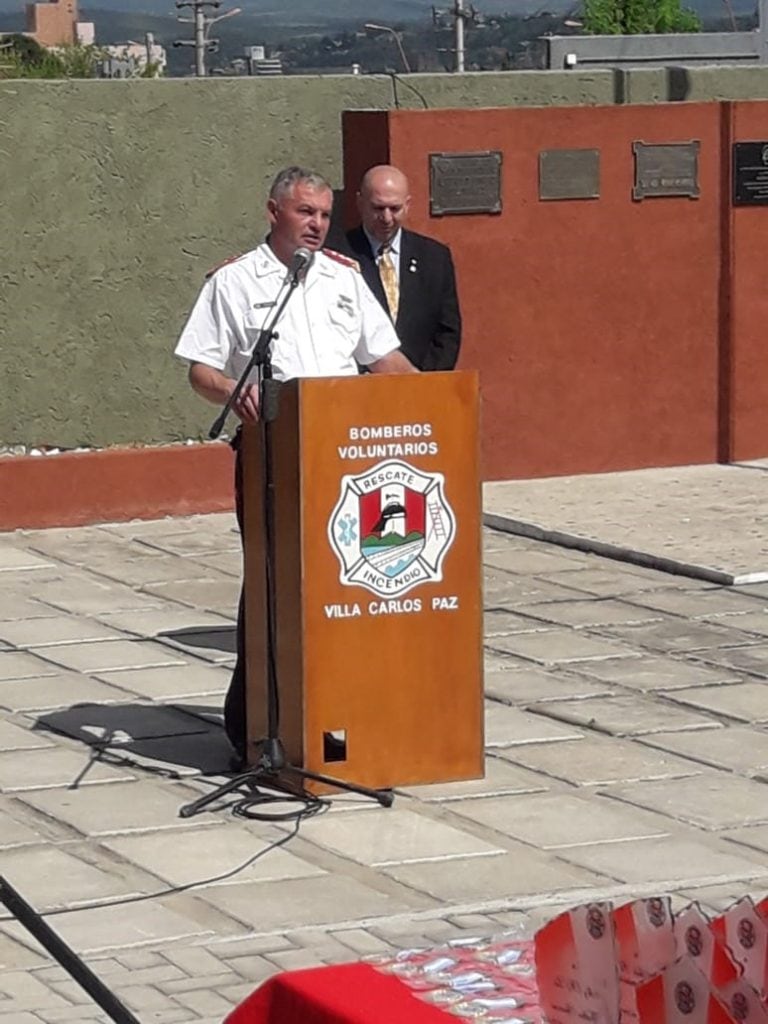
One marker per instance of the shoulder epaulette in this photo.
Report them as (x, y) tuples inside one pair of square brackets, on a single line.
[(338, 257), (224, 263)]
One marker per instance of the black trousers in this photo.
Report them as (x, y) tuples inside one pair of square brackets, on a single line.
[(234, 702)]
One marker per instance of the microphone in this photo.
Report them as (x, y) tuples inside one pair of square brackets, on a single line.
[(300, 262)]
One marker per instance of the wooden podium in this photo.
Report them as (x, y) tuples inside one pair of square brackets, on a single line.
[(377, 576)]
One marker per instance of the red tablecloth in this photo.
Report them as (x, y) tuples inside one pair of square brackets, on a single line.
[(349, 994)]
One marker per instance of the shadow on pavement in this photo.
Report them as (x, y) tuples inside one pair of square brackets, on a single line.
[(217, 638), (172, 740)]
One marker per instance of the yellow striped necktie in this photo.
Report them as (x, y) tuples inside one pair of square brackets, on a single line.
[(388, 276)]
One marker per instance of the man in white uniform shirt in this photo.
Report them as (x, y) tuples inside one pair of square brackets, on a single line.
[(331, 324)]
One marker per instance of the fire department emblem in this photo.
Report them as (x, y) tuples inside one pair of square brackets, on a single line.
[(595, 922), (685, 998), (391, 528), (657, 913), (746, 933), (739, 1006), (693, 941)]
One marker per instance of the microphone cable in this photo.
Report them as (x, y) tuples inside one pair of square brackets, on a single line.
[(172, 890)]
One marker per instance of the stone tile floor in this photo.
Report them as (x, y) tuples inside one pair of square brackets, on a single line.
[(703, 520), (626, 754)]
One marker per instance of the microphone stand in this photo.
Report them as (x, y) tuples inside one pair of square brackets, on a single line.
[(272, 764), (75, 967), (260, 357)]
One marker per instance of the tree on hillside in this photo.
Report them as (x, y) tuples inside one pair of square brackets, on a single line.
[(637, 17), (23, 57)]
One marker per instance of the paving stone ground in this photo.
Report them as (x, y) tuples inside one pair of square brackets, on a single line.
[(627, 750), (706, 521)]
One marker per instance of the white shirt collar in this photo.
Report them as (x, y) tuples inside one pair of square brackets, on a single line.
[(267, 262), (375, 244)]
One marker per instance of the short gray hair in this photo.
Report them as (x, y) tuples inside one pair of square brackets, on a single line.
[(286, 179)]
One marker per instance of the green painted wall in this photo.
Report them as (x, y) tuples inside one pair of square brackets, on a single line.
[(117, 196)]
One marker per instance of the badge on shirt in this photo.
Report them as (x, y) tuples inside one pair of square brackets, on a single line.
[(344, 303), (263, 305)]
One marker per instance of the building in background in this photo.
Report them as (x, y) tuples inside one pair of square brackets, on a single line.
[(253, 62), (55, 23), (257, 62), (132, 59), (86, 33)]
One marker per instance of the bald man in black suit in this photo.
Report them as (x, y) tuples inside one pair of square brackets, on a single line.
[(412, 277)]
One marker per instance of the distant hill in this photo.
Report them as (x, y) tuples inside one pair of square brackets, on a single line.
[(335, 10), (273, 11), (311, 14), (272, 23)]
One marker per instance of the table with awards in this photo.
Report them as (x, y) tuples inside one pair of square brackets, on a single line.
[(638, 963)]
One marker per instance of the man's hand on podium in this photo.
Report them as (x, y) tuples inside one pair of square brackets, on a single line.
[(247, 405), (393, 362)]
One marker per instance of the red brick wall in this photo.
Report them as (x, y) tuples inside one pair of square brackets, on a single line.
[(610, 334), (745, 264)]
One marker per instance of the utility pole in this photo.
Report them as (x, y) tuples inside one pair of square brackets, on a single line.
[(149, 45), (461, 12), (200, 42)]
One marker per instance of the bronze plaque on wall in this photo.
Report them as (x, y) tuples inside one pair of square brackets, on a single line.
[(750, 174), (667, 169), (569, 174), (464, 183)]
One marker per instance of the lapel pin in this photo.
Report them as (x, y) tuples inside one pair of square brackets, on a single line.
[(413, 266)]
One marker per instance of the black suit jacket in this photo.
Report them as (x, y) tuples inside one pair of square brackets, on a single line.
[(428, 319)]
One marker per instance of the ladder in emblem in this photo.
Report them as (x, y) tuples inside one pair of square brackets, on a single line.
[(436, 516)]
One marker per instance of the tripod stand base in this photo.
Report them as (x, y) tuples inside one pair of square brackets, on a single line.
[(284, 780), (383, 796), (272, 761)]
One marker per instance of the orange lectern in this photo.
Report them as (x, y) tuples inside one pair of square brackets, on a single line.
[(377, 578)]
